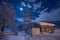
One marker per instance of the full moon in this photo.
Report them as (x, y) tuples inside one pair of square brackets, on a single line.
[(21, 9)]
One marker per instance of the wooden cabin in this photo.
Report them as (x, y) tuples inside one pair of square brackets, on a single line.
[(40, 27), (47, 27)]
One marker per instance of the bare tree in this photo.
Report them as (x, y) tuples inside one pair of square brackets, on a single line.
[(7, 16)]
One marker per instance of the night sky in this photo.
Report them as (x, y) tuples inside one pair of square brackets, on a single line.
[(40, 10)]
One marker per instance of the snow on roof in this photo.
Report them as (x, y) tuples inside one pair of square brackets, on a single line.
[(45, 23)]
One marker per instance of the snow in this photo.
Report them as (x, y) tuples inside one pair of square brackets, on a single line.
[(23, 36)]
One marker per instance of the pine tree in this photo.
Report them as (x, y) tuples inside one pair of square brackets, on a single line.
[(27, 21)]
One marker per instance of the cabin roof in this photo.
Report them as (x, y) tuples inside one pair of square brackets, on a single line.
[(46, 23)]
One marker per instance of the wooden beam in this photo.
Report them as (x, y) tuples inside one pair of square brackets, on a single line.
[(8, 33)]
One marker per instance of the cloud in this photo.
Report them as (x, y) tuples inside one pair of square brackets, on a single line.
[(20, 19), (32, 0), (54, 15), (23, 4), (37, 6), (29, 6)]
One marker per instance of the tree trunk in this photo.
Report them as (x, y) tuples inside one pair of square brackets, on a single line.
[(2, 29)]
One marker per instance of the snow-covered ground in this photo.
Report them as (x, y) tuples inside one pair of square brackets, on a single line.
[(23, 36)]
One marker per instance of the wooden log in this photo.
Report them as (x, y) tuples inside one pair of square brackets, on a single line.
[(8, 33), (35, 31)]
